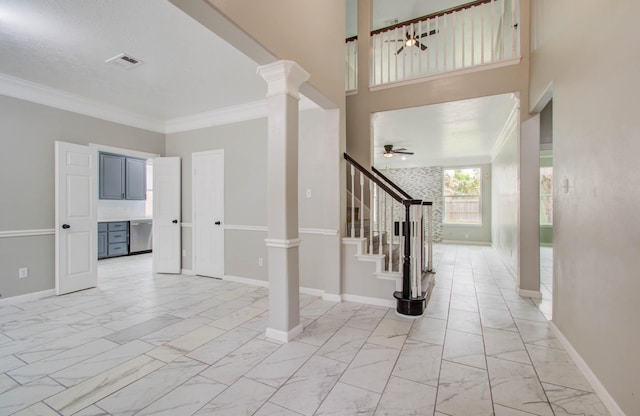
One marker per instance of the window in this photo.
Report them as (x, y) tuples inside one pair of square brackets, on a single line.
[(462, 196), (546, 195)]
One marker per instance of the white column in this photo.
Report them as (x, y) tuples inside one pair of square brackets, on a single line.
[(283, 80)]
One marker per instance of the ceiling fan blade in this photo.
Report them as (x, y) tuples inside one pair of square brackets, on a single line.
[(421, 45), (429, 33), (400, 50), (403, 153), (394, 40), (400, 149)]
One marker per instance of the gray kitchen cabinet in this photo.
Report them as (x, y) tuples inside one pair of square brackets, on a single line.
[(112, 176), (122, 177), (102, 240), (135, 179), (113, 239)]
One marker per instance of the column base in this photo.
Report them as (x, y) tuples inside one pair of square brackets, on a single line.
[(283, 336), (411, 306)]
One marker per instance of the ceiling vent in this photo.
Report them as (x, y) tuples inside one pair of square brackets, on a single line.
[(124, 61)]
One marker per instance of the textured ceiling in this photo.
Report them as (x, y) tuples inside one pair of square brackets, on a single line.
[(449, 134), (187, 69)]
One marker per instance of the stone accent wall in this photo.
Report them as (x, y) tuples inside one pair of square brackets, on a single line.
[(422, 183)]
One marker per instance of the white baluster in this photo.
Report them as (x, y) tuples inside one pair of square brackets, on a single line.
[(353, 204), (439, 39), (428, 63), (361, 205), (472, 12), (430, 237), (421, 42), (411, 55), (514, 31), (493, 39), (374, 59), (482, 10), (371, 213), (444, 43), (388, 55), (395, 33), (463, 18), (391, 224), (454, 15), (355, 55), (503, 29)]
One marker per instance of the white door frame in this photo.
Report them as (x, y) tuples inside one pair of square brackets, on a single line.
[(193, 207)]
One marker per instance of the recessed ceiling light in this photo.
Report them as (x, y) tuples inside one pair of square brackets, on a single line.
[(124, 61)]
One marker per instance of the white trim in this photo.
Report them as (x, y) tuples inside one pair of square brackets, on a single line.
[(52, 97), (476, 68), (122, 151), (313, 292), (387, 303), (534, 294), (318, 231), (283, 77), (283, 336), (262, 228), (543, 99), (243, 112), (466, 242), (246, 280), (188, 272), (332, 297), (280, 243), (186, 224), (27, 233), (28, 297), (598, 387), (508, 127), (546, 244)]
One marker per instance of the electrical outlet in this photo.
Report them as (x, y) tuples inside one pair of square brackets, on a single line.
[(23, 272), (260, 262), (308, 192)]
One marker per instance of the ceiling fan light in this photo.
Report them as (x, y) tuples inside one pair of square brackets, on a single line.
[(410, 42), (387, 154)]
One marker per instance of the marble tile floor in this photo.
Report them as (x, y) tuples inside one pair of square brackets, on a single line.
[(176, 345)]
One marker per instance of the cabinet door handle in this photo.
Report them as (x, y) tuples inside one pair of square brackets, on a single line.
[(217, 223), (65, 226), (175, 221)]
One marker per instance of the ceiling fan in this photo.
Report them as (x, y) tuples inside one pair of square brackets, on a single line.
[(413, 40), (389, 151)]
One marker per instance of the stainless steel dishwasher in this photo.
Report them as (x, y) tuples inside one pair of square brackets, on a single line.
[(141, 238)]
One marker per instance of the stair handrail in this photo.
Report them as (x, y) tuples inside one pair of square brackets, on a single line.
[(390, 182), (374, 179)]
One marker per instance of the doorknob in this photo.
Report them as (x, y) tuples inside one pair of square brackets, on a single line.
[(175, 221), (217, 223), (65, 226)]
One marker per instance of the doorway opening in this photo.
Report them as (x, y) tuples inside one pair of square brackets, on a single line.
[(546, 210)]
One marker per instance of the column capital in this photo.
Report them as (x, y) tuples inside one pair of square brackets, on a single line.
[(283, 77)]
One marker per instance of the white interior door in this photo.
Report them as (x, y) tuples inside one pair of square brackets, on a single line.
[(166, 215), (76, 224), (208, 213)]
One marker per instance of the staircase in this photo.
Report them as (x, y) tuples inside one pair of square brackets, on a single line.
[(380, 237)]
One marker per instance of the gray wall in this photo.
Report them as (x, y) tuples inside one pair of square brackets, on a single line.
[(596, 149), (27, 187)]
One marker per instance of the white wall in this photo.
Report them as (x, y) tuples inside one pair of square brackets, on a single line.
[(589, 51), (505, 199)]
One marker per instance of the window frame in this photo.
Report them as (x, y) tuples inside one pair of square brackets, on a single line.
[(479, 195)]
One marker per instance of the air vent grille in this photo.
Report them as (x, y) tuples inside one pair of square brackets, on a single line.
[(124, 61)]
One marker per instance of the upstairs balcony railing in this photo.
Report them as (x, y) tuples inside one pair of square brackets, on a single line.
[(473, 35), (398, 228)]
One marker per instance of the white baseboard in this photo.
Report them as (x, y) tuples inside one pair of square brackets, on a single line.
[(283, 336), (387, 303), (332, 297), (246, 280), (467, 242), (312, 291), (535, 294), (598, 387), (28, 297), (188, 272)]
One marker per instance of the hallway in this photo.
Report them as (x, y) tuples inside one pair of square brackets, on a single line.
[(185, 345)]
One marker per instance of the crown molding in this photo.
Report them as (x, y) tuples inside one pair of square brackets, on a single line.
[(52, 97), (509, 126), (41, 94), (233, 114)]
